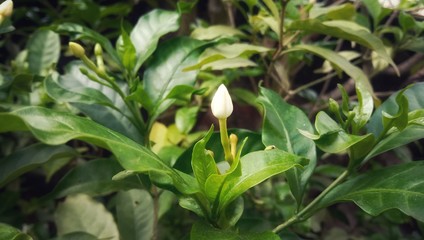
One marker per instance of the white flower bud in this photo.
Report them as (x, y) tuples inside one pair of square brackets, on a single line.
[(221, 105), (6, 8), (76, 49)]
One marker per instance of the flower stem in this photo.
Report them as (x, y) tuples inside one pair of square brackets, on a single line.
[(224, 140), (300, 216)]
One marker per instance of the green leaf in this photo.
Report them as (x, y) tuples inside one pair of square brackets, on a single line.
[(376, 11), (343, 11), (80, 32), (29, 158), (9, 232), (226, 51), (80, 213), (203, 231), (186, 118), (149, 28), (93, 178), (229, 63), (134, 209), (165, 70), (364, 89), (76, 236), (100, 103), (396, 187), (280, 128), (126, 51), (43, 51), (415, 102), (396, 138), (202, 161), (255, 168), (216, 31), (56, 128), (346, 30)]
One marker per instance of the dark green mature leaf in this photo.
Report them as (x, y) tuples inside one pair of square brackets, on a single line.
[(135, 214), (149, 28), (280, 128), (43, 51), (9, 232), (80, 213), (203, 231), (166, 70), (93, 178), (55, 128), (100, 103), (255, 168), (346, 30), (29, 158), (80, 32), (415, 102), (400, 186)]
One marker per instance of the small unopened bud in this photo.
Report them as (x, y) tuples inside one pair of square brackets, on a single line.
[(6, 8), (98, 51), (233, 144), (76, 49), (221, 105)]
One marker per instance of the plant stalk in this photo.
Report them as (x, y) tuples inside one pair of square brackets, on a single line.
[(225, 141), (299, 216)]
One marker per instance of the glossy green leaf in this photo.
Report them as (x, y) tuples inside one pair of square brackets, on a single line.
[(280, 128), (9, 232), (400, 187), (348, 30), (126, 52), (55, 128), (415, 102), (364, 89), (149, 28), (100, 103), (165, 70), (343, 11), (43, 51), (229, 63), (80, 32), (215, 31), (396, 137), (135, 216), (76, 236), (255, 168), (80, 213), (226, 51), (186, 118), (376, 11), (203, 231), (29, 158), (93, 178)]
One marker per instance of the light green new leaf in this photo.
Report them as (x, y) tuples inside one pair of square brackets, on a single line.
[(396, 187), (93, 178), (226, 51), (215, 31), (281, 126), (81, 32), (185, 118), (100, 103), (415, 102), (43, 51), (56, 128), (149, 29), (256, 167), (202, 162), (29, 158), (348, 30), (203, 231), (364, 89), (165, 70), (9, 232), (80, 213), (134, 213)]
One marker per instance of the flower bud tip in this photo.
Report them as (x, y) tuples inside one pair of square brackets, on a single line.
[(76, 49), (222, 105)]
